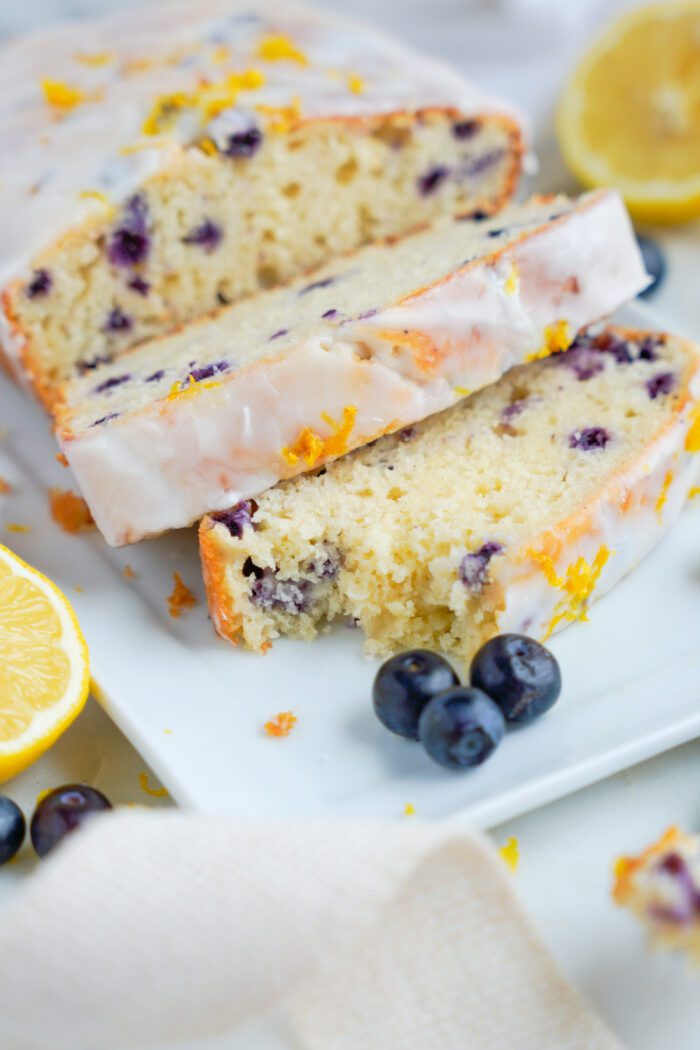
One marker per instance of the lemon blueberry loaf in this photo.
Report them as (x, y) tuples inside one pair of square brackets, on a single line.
[(286, 380), (509, 512), (163, 162), (661, 887)]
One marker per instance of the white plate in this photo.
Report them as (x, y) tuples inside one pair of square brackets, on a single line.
[(195, 707)]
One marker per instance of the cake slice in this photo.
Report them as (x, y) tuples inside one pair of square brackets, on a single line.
[(661, 887), (281, 383), (178, 156), (510, 512)]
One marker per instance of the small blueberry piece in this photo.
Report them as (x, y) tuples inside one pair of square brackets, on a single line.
[(497, 232), (513, 409), (654, 264), (155, 377), (130, 244), (407, 434), (12, 829), (272, 593), (461, 728), (473, 568), (329, 313), (315, 285), (660, 385), (109, 384), (237, 518), (403, 686), (481, 164), (648, 347), (207, 371), (243, 144), (138, 285), (208, 235), (326, 564), (118, 321), (609, 343), (92, 363), (62, 812), (465, 129), (519, 674), (585, 360), (39, 285), (278, 334), (589, 439), (432, 180), (105, 419)]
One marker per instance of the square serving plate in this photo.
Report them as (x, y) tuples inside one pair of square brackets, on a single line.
[(195, 707)]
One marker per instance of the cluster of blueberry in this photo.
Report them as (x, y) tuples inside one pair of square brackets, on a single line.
[(417, 694), (56, 815)]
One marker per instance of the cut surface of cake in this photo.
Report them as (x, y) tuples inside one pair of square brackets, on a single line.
[(289, 379), (174, 158), (509, 512), (661, 887)]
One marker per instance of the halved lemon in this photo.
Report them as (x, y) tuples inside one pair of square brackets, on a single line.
[(44, 666), (629, 116)]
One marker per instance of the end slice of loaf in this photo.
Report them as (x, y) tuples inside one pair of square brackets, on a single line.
[(510, 512), (163, 162), (661, 888), (294, 377)]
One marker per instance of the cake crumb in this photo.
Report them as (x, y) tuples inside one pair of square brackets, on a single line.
[(511, 853), (181, 597), (5, 486), (282, 724), (160, 792), (16, 526), (60, 458), (129, 573), (70, 511)]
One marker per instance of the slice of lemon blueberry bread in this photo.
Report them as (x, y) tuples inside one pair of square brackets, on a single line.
[(661, 887), (509, 512), (286, 380), (177, 157)]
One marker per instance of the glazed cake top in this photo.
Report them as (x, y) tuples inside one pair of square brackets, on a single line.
[(90, 109)]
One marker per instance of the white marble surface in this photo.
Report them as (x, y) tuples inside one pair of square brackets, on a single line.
[(521, 48)]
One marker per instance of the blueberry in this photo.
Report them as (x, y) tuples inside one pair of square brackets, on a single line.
[(461, 728), (130, 243), (12, 829), (432, 180), (660, 385), (62, 811), (654, 264), (243, 143), (403, 686), (208, 236), (118, 321), (589, 439), (237, 518), (39, 285), (207, 371), (519, 674)]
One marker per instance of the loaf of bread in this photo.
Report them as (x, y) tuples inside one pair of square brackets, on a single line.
[(182, 155), (289, 379), (510, 512)]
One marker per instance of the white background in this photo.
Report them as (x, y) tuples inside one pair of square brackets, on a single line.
[(520, 49)]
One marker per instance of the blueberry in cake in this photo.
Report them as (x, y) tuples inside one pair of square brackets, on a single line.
[(661, 887), (166, 161), (510, 512), (285, 381)]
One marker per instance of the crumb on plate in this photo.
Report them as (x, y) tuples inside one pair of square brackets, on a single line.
[(282, 724), (70, 511), (180, 598)]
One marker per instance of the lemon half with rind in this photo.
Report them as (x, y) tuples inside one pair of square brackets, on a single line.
[(629, 116), (44, 664)]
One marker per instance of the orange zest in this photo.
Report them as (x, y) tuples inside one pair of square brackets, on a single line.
[(282, 724), (70, 511), (181, 597)]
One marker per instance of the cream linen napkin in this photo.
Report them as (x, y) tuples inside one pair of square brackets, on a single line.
[(147, 928)]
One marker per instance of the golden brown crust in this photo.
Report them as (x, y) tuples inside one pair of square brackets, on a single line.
[(224, 617)]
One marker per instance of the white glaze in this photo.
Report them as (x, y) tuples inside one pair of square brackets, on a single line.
[(172, 461), (55, 155)]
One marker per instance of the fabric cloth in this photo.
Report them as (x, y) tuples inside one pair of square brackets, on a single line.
[(149, 928)]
